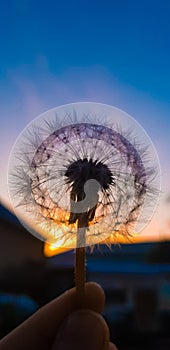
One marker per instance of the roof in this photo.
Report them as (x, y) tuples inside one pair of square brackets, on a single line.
[(7, 215), (127, 267)]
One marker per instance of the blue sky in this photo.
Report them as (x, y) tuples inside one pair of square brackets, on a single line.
[(130, 38), (115, 52)]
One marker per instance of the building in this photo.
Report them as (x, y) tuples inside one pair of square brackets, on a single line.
[(17, 246)]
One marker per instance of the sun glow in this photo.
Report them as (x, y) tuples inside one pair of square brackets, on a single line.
[(52, 250)]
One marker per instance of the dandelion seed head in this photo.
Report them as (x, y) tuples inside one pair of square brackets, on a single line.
[(80, 160)]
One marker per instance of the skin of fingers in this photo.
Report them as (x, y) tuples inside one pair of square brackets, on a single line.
[(39, 331), (112, 346), (83, 329), (101, 328)]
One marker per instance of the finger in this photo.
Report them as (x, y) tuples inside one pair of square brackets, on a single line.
[(83, 329), (112, 347), (39, 331)]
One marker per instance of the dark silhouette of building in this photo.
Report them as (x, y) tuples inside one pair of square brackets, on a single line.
[(17, 246)]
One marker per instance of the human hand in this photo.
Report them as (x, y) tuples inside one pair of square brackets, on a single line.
[(60, 326)]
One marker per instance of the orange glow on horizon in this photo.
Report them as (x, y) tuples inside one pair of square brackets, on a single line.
[(51, 250), (150, 234)]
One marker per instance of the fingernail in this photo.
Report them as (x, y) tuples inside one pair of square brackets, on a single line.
[(83, 329)]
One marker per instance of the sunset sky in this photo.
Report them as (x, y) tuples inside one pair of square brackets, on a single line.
[(115, 52)]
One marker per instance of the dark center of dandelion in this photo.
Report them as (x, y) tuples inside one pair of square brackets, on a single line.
[(78, 173)]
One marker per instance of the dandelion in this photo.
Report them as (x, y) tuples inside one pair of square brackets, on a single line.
[(80, 173)]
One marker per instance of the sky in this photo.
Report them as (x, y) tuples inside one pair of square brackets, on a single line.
[(115, 52)]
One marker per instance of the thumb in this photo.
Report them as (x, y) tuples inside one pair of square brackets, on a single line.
[(83, 329)]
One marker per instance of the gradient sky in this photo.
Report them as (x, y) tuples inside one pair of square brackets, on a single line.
[(114, 52)]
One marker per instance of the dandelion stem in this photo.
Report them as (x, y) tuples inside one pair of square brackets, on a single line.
[(80, 265), (80, 276)]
